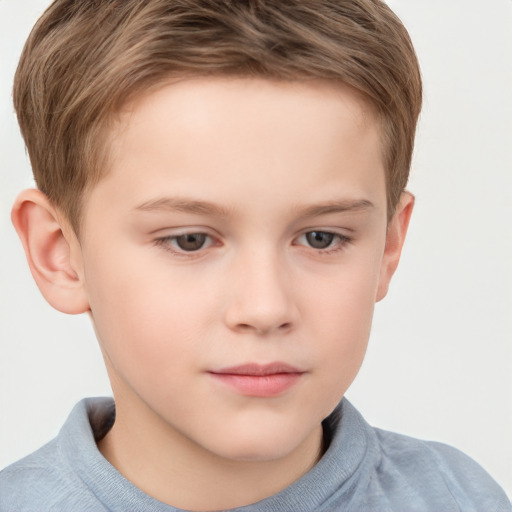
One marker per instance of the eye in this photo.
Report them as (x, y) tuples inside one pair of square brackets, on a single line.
[(190, 241), (325, 241), (319, 239), (187, 242)]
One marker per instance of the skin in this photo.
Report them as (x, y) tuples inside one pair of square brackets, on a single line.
[(256, 166)]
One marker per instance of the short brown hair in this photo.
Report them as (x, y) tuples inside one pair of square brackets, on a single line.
[(85, 59)]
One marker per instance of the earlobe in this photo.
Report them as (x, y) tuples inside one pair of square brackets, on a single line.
[(49, 248), (395, 238)]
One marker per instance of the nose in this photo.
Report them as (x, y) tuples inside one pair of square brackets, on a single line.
[(261, 296)]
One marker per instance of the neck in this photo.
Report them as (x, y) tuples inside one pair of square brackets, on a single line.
[(172, 468)]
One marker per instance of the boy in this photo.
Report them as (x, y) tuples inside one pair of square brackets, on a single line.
[(221, 187)]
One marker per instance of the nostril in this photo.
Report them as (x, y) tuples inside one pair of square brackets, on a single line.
[(242, 327)]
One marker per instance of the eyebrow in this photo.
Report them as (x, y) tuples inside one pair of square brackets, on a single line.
[(193, 206), (346, 205), (183, 205)]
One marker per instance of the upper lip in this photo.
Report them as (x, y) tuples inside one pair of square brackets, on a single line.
[(257, 369)]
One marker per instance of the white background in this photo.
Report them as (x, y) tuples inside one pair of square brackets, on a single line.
[(439, 364)]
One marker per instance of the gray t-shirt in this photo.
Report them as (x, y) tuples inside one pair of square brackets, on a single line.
[(363, 469)]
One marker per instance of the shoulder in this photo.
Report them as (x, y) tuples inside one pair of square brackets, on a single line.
[(41, 481), (48, 478), (438, 468)]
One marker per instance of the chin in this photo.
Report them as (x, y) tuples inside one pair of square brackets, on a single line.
[(265, 445), (256, 451)]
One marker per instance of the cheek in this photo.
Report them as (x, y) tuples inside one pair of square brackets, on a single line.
[(345, 330), (144, 318), (343, 313)]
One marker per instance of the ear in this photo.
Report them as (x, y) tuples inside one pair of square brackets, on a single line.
[(52, 251), (395, 237)]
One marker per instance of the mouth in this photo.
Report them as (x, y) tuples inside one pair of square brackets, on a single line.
[(258, 380)]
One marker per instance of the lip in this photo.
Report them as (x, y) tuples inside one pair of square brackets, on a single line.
[(259, 380)]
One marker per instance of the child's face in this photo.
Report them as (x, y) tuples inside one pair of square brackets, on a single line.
[(243, 222)]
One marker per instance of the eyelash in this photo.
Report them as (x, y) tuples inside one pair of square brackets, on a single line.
[(337, 244), (167, 243)]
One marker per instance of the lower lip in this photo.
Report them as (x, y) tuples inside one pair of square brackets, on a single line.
[(259, 385)]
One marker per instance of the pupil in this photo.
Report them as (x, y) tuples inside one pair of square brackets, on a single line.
[(319, 239), (191, 241)]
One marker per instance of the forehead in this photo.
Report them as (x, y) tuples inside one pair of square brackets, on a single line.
[(206, 136), (195, 98)]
